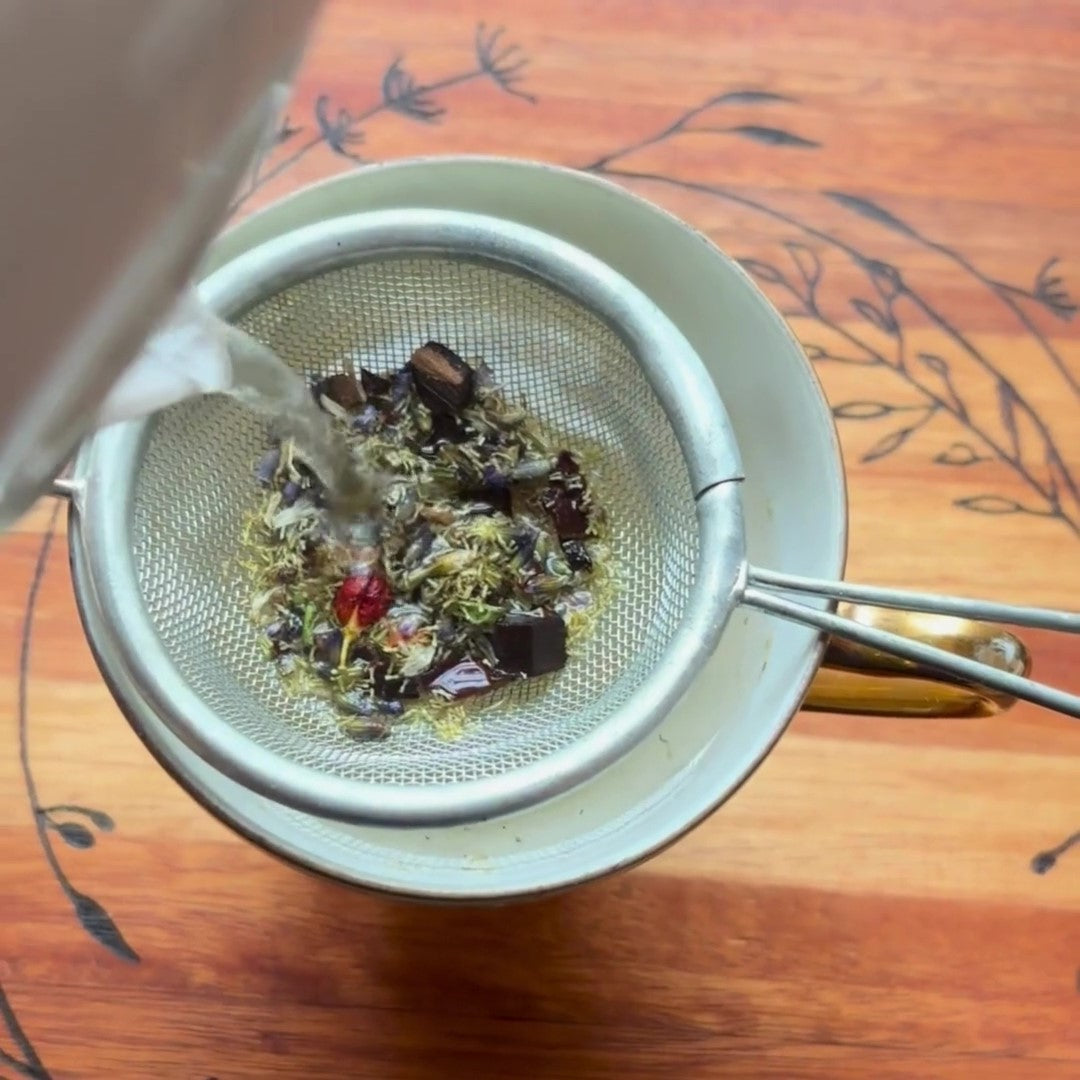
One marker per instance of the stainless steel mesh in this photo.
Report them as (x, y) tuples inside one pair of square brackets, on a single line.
[(196, 482)]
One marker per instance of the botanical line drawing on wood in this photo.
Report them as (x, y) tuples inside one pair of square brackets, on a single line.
[(26, 1063), (74, 825), (1021, 442), (342, 130), (1045, 861), (79, 827)]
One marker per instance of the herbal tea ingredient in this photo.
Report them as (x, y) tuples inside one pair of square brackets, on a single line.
[(493, 556)]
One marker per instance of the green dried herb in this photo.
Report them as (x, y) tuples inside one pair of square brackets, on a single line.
[(469, 538)]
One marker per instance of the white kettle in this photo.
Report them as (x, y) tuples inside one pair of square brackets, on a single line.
[(127, 126)]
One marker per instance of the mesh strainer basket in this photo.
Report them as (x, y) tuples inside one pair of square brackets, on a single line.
[(163, 501), (591, 356)]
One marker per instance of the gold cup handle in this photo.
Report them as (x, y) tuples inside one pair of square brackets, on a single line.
[(856, 679)]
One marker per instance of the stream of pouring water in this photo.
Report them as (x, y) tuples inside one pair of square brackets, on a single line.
[(193, 351), (263, 382)]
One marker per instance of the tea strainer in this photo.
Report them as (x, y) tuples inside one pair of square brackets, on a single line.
[(160, 504)]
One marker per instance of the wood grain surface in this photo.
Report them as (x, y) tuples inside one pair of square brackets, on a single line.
[(885, 898)]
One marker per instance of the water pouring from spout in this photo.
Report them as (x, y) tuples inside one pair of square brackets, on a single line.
[(195, 352)]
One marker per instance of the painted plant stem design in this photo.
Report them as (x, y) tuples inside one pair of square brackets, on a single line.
[(343, 130), (1023, 442), (72, 824), (79, 827), (1045, 861), (1028, 447), (1053, 487), (27, 1064)]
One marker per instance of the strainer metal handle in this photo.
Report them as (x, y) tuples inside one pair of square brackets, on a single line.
[(763, 587)]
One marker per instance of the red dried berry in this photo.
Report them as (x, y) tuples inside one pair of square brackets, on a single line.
[(362, 600)]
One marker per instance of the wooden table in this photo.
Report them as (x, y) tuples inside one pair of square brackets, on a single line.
[(900, 176)]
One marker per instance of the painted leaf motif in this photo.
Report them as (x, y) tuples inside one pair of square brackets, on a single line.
[(874, 315), (773, 136), (750, 97), (806, 259), (100, 819), (862, 410), (30, 1064), (885, 276), (1051, 291), (991, 504), (870, 210), (960, 453), (75, 835), (98, 923), (1044, 862), (888, 444), (1007, 399), (935, 363), (403, 94), (762, 271), (1053, 466)]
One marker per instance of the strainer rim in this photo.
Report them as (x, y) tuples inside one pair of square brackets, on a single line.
[(717, 576)]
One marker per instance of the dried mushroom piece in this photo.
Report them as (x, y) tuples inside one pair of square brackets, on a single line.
[(444, 382), (342, 390), (532, 643)]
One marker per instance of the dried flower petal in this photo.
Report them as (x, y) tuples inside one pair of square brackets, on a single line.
[(577, 555), (362, 599), (464, 679), (366, 420), (268, 466)]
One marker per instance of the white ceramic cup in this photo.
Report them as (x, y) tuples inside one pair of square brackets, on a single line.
[(796, 519)]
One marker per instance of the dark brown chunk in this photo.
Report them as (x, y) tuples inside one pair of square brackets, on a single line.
[(566, 498), (374, 385), (395, 688), (567, 464), (499, 499), (444, 382), (577, 555), (446, 428), (401, 384), (530, 644), (568, 515), (494, 491), (343, 390)]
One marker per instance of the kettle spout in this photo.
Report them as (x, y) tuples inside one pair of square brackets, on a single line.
[(187, 355)]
